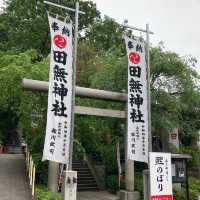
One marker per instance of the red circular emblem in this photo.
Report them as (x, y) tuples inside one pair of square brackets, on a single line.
[(134, 57), (60, 41)]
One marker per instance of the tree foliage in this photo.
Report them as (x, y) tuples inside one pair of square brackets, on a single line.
[(105, 34), (175, 98), (24, 24)]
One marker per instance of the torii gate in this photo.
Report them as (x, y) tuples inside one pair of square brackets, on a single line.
[(82, 110)]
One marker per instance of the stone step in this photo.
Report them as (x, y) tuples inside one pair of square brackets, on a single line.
[(81, 169), (88, 189), (87, 184), (79, 166), (92, 181), (86, 181), (14, 149), (84, 175), (86, 178)]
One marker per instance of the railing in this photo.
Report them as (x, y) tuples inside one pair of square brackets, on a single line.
[(30, 167)]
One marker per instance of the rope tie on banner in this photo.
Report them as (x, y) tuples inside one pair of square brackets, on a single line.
[(66, 19), (140, 38)]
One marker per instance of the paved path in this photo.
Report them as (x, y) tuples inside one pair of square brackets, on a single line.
[(14, 186), (13, 183), (96, 196)]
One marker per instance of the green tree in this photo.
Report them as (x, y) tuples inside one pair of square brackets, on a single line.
[(22, 108), (24, 24), (174, 94), (85, 63), (14, 99), (105, 34)]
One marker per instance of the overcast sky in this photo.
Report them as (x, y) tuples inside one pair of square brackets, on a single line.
[(175, 22)]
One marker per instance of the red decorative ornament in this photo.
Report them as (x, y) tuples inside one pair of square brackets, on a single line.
[(173, 136), (134, 57), (60, 41)]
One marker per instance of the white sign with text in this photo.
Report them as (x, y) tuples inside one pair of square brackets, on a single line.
[(160, 176)]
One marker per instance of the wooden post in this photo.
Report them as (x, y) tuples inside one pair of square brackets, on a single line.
[(53, 174)]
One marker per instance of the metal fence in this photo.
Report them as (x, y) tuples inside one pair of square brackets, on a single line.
[(30, 167)]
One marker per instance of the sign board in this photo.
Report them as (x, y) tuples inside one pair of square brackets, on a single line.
[(198, 142), (137, 100), (178, 171), (70, 185), (160, 176), (173, 138), (57, 140), (173, 170)]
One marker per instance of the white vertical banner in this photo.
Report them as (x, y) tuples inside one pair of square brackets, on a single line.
[(57, 140), (160, 176), (137, 138)]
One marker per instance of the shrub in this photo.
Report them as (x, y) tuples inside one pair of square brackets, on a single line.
[(112, 183), (194, 190), (194, 185), (179, 194), (139, 183), (43, 194), (109, 159)]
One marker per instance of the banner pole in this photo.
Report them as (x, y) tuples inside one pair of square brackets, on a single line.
[(73, 85), (148, 85), (69, 167), (147, 173), (129, 164), (63, 7)]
